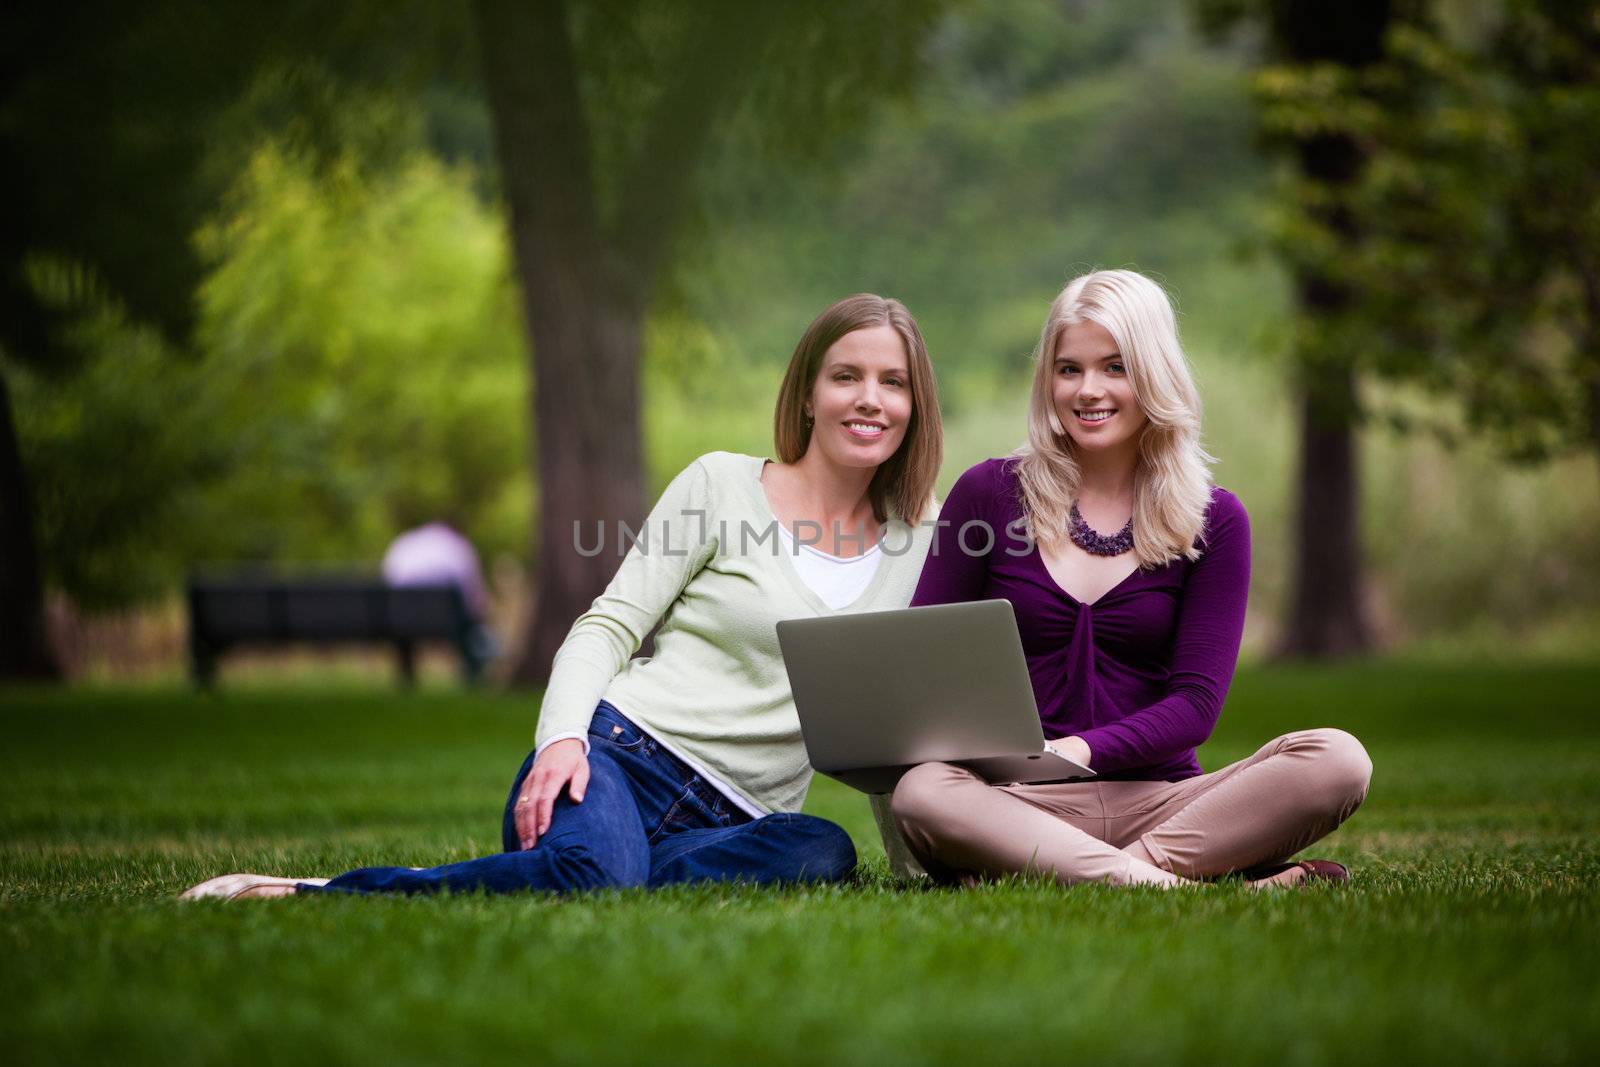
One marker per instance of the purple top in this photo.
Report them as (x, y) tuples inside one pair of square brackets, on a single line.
[(1139, 674)]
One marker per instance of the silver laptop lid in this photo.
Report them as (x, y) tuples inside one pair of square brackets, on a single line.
[(898, 688)]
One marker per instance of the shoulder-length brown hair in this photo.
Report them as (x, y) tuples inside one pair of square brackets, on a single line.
[(903, 485)]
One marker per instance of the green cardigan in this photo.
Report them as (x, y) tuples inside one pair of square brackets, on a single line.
[(710, 567)]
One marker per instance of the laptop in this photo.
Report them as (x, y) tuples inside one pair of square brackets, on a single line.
[(880, 692)]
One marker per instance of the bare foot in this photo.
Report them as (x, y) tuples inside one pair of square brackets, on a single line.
[(1282, 880), (1326, 871)]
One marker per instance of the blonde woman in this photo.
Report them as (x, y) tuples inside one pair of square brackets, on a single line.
[(688, 766), (1128, 570)]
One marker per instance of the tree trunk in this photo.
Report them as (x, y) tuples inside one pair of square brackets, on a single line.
[(584, 318), (586, 287), (1586, 334), (25, 651), (1594, 413), (1327, 616), (591, 471)]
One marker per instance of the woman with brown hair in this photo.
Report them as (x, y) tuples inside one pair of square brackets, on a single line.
[(688, 765)]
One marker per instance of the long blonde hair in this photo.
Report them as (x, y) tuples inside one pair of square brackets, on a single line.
[(1172, 477), (902, 486)]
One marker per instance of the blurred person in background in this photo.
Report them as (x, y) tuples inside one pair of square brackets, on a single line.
[(437, 554), (1131, 637), (689, 766)]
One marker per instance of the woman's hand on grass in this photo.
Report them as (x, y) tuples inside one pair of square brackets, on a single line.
[(1074, 748), (562, 765)]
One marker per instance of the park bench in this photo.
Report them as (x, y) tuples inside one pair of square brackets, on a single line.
[(231, 610)]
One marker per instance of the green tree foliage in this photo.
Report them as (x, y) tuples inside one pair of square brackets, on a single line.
[(1045, 139), (357, 368), (116, 452), (117, 132), (120, 126), (1482, 214), (377, 314)]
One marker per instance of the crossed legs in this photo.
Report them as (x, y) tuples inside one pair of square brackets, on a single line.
[(1294, 790)]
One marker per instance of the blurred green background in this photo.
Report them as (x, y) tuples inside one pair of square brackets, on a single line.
[(266, 274), (357, 361)]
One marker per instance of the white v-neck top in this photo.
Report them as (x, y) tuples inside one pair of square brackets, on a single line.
[(712, 568)]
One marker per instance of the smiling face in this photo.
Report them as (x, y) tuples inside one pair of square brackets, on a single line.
[(861, 401), (1091, 391)]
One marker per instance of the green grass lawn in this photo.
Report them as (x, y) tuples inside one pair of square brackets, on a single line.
[(1470, 931)]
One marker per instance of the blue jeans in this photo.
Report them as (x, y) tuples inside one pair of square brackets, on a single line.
[(646, 819)]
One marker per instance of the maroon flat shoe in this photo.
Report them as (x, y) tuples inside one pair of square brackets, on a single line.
[(1316, 871)]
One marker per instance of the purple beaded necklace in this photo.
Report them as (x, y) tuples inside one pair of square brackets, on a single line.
[(1096, 544)]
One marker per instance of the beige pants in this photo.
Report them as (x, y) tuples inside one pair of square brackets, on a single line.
[(1296, 789)]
